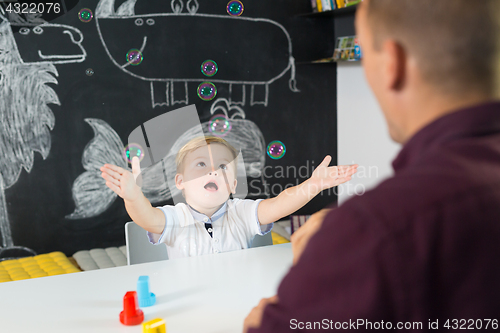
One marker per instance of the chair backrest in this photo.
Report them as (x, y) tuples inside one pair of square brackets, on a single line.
[(139, 249)]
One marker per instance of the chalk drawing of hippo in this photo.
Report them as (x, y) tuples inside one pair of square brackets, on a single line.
[(174, 45)]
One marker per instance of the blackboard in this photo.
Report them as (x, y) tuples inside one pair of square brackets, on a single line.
[(66, 90)]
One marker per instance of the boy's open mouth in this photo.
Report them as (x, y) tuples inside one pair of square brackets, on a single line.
[(211, 186)]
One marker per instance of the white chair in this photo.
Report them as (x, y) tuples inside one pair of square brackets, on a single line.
[(265, 240), (140, 250)]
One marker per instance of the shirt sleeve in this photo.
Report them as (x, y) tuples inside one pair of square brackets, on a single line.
[(348, 271), (262, 228), (246, 211), (170, 222)]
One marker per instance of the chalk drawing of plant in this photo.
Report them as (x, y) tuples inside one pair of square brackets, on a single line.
[(25, 117)]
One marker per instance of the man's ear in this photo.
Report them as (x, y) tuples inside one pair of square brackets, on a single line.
[(395, 67), (179, 181)]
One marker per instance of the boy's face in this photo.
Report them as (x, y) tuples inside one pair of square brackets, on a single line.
[(208, 176)]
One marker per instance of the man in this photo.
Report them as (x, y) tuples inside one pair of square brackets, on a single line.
[(421, 251)]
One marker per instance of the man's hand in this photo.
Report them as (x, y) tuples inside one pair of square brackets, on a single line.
[(254, 318), (325, 177), (301, 237), (122, 181)]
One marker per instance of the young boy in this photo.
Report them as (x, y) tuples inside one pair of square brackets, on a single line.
[(210, 222)]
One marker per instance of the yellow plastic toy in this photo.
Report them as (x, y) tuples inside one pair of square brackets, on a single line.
[(53, 263), (278, 239), (157, 325)]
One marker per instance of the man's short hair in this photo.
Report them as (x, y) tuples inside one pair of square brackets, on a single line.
[(455, 42), (199, 142)]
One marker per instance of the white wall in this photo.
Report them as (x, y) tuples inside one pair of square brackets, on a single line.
[(362, 132)]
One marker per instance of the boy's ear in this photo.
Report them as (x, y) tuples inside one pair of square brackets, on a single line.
[(179, 181), (233, 189)]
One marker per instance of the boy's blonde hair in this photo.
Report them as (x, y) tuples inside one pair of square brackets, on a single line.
[(199, 142)]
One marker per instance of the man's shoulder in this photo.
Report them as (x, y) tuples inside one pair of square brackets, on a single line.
[(418, 191)]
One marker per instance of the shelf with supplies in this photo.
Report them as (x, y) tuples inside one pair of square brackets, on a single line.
[(347, 49), (332, 13)]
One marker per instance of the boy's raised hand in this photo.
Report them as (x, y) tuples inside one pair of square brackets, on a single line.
[(325, 177), (122, 181)]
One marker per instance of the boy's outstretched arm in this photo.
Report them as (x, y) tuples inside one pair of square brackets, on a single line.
[(294, 198), (122, 182)]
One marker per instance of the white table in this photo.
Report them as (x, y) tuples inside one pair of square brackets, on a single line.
[(212, 293)]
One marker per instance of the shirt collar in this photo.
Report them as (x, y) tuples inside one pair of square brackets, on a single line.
[(468, 122), (200, 217)]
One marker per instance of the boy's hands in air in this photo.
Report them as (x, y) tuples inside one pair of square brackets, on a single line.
[(325, 177), (122, 181)]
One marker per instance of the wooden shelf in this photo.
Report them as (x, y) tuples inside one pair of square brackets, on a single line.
[(314, 62), (332, 13), (319, 62)]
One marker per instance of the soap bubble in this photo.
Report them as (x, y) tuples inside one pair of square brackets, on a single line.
[(219, 125), (235, 8), (131, 151), (276, 150), (85, 15), (207, 91), (89, 71), (134, 57), (209, 68)]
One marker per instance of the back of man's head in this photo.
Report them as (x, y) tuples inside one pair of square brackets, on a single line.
[(456, 42)]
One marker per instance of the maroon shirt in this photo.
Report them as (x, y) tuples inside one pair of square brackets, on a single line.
[(424, 245)]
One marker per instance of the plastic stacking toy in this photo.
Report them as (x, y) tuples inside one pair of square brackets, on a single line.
[(154, 326), (146, 298), (131, 314)]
